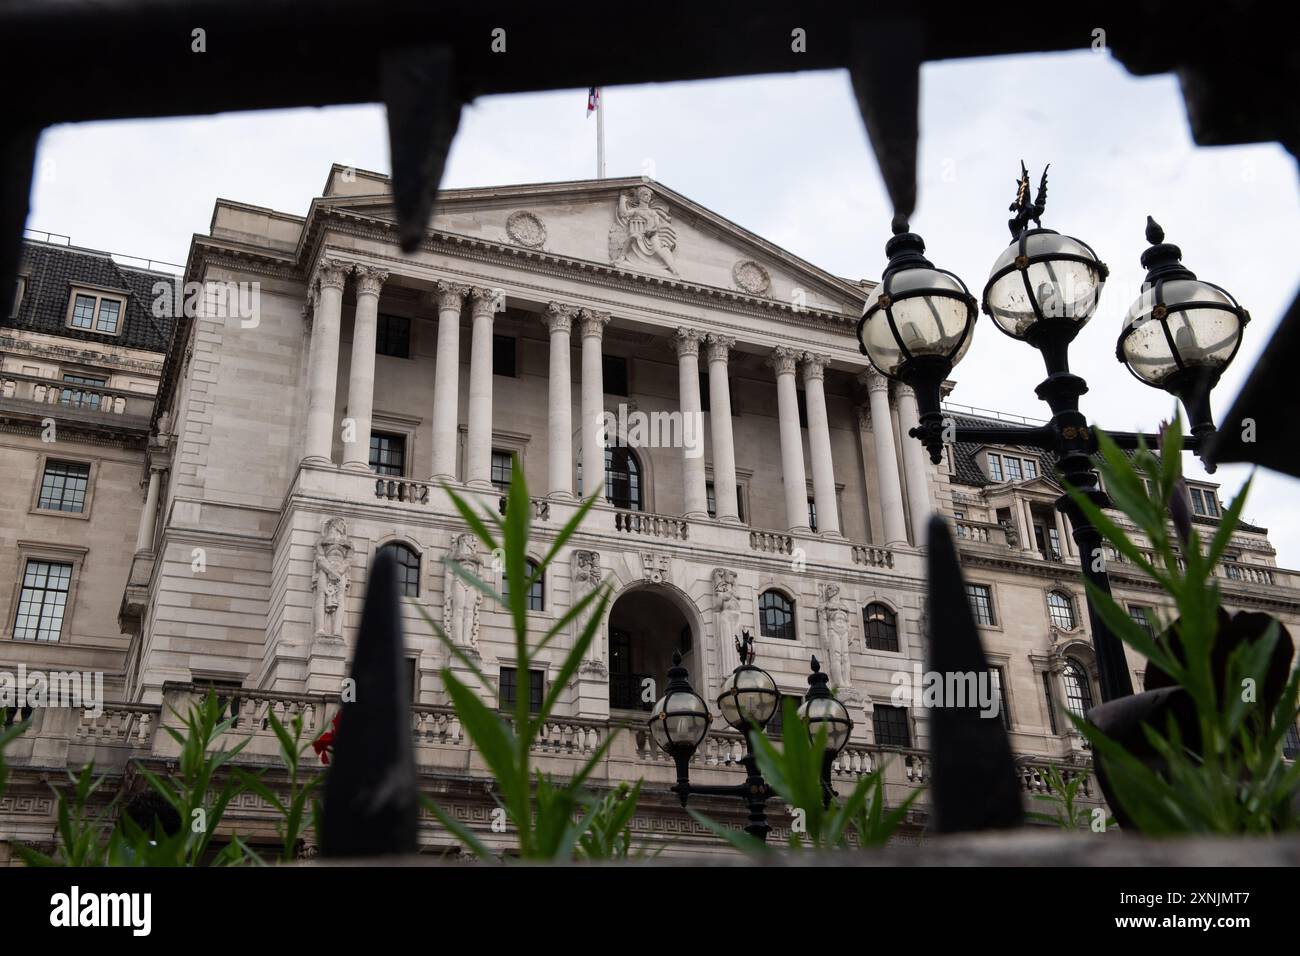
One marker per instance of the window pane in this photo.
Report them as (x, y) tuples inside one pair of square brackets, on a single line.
[(109, 313), (622, 478), (812, 515), (776, 616), (83, 312), (891, 726), (710, 500), (393, 336), (1013, 468), (501, 461), (536, 591), (1198, 504), (408, 568), (388, 454), (981, 602), (63, 486), (1000, 691), (1078, 692), (880, 628), (1139, 613), (79, 398), (1031, 468), (1060, 609), (42, 601), (995, 467)]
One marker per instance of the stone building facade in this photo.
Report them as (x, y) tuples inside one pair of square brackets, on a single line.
[(327, 386)]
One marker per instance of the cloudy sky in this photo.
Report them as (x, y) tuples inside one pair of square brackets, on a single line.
[(786, 157)]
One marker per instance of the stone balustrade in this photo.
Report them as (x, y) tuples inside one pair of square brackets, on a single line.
[(403, 489), (77, 399), (130, 724), (771, 542), (872, 557), (651, 525), (541, 508)]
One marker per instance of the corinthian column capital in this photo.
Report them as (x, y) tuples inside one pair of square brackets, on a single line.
[(331, 273), (484, 301), (873, 380), (370, 280), (720, 346), (688, 341), (558, 317), (814, 366), (450, 295), (593, 323), (784, 360)]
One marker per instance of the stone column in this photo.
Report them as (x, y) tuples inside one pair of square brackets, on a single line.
[(361, 377), (446, 382), (882, 430), (784, 360), (688, 392), (875, 523), (724, 445), (558, 320), (323, 360), (916, 466), (478, 457), (144, 536), (819, 444), (593, 401), (1027, 515)]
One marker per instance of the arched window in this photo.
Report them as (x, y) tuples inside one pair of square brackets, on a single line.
[(408, 568), (776, 615), (1060, 609), (622, 478), (536, 592), (1078, 692), (880, 628)]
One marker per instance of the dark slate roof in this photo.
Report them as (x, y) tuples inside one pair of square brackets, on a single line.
[(52, 270), (968, 472)]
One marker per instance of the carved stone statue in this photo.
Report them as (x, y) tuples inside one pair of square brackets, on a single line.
[(833, 622), (642, 230), (330, 578), (586, 578), (726, 606), (1013, 536), (460, 601)]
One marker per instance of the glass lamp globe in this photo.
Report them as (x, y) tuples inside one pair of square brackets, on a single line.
[(917, 314), (679, 719), (821, 709), (1043, 277), (748, 694), (1180, 327)]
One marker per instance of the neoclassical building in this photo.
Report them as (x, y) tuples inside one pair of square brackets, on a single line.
[(322, 388)]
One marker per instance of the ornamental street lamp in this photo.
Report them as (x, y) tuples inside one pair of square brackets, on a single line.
[(748, 700), (1179, 336)]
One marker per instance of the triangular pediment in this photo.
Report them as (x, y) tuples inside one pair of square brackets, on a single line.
[(633, 224)]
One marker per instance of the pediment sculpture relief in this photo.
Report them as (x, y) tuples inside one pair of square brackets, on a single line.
[(642, 233)]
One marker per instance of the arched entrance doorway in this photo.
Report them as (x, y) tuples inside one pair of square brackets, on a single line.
[(646, 625)]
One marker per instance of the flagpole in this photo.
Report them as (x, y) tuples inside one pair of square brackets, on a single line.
[(600, 133)]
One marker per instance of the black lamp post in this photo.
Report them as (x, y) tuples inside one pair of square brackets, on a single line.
[(748, 700), (1179, 336)]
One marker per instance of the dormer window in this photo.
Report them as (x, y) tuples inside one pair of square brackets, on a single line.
[(94, 311), (1204, 502), (1004, 467)]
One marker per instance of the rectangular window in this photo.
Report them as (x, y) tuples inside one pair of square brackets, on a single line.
[(501, 461), (995, 467), (710, 500), (614, 372), (891, 726), (998, 678), (1031, 468), (388, 454), (1013, 468), (777, 723), (1198, 503), (509, 688), (803, 408), (1139, 613), (981, 603), (1051, 702), (503, 356), (96, 312), (42, 601), (63, 486), (1054, 539), (704, 392), (413, 678), (81, 398), (812, 515), (393, 336)]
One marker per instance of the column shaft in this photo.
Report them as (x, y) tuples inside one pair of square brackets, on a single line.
[(144, 537), (784, 361), (724, 445), (593, 402), (882, 431), (446, 382), (361, 375), (559, 418), (478, 458), (688, 391), (323, 360), (819, 444), (916, 467)]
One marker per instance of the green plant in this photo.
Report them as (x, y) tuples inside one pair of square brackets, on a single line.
[(1235, 779), (794, 772), (548, 818), (300, 804), (609, 829), (1063, 795), (80, 836), (7, 736)]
